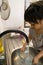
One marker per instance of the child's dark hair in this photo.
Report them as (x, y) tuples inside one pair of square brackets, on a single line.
[(34, 12)]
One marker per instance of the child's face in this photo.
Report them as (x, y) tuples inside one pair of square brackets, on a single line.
[(38, 25)]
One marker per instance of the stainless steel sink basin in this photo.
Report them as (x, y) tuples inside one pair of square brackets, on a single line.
[(21, 58)]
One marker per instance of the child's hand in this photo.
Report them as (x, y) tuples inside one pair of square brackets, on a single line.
[(24, 45), (23, 48), (35, 60)]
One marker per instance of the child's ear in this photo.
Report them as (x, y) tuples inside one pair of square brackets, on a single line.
[(38, 21), (41, 21)]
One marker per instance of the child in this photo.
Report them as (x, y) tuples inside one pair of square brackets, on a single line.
[(34, 16)]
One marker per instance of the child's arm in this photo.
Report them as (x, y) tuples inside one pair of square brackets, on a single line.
[(37, 57), (40, 54), (24, 42)]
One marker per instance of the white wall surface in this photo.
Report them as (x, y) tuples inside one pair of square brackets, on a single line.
[(16, 18)]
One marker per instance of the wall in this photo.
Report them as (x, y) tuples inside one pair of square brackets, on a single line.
[(16, 18)]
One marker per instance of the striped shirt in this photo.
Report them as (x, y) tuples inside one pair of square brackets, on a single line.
[(37, 40)]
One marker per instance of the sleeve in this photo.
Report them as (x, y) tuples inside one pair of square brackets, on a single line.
[(30, 32)]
